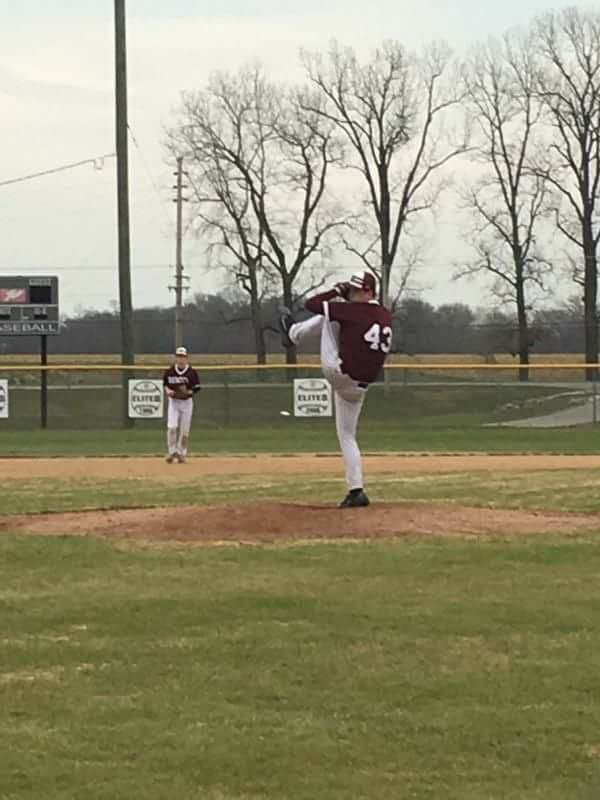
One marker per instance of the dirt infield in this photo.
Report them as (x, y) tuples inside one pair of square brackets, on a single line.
[(281, 522), (147, 467)]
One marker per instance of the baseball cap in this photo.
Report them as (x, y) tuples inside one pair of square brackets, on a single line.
[(181, 351), (365, 281)]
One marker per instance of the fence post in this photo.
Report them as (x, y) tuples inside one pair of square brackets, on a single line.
[(595, 400), (126, 375), (44, 382), (500, 395), (226, 408)]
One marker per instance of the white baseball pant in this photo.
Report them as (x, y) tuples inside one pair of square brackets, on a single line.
[(179, 422), (348, 395)]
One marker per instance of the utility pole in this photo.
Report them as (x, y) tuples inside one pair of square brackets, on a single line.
[(179, 288), (121, 130)]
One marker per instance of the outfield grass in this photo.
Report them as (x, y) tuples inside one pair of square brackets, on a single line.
[(279, 358), (555, 490), (294, 436), (419, 670), (421, 414)]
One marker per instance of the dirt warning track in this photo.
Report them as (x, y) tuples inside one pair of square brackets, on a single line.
[(147, 467)]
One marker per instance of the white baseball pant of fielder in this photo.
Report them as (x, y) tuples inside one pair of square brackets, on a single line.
[(348, 395), (179, 422)]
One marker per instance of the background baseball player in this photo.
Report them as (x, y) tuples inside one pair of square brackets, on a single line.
[(181, 382), (356, 336)]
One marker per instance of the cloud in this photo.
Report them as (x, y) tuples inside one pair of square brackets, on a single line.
[(50, 90), (56, 102)]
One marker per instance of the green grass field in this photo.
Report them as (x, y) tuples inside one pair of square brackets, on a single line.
[(420, 669), (246, 418), (554, 490), (300, 437), (415, 669)]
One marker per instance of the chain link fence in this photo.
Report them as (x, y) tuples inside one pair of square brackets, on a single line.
[(92, 397)]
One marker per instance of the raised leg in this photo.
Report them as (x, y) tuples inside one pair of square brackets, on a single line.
[(329, 333), (330, 346), (308, 329)]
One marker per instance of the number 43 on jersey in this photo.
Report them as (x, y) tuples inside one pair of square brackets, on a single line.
[(379, 338)]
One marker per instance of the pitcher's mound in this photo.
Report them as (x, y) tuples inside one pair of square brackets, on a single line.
[(280, 522)]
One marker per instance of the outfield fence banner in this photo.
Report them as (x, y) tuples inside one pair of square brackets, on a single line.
[(4, 398), (146, 399), (312, 397)]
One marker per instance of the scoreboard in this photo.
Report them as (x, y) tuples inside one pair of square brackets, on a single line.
[(28, 306)]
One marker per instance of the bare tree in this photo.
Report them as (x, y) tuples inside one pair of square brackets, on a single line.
[(274, 159), (359, 237), (299, 220), (211, 124), (233, 235), (507, 201), (568, 43), (391, 110)]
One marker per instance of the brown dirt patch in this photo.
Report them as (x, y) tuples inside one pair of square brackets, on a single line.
[(281, 522), (311, 464)]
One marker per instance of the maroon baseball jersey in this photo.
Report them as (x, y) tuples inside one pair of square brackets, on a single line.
[(365, 333), (186, 378)]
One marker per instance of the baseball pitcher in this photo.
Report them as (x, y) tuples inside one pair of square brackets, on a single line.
[(356, 336), (181, 382)]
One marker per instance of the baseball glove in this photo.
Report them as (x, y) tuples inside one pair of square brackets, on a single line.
[(343, 289), (181, 393)]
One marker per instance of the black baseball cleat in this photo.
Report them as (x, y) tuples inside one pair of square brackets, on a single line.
[(355, 499), (286, 320)]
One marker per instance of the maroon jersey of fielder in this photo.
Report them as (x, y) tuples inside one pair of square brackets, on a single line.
[(365, 333), (177, 379)]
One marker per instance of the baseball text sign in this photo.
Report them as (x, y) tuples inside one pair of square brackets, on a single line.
[(312, 397), (146, 399), (3, 399), (29, 305)]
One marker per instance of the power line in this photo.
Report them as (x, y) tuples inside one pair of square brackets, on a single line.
[(150, 177), (83, 269), (98, 163), (327, 268), (12, 269)]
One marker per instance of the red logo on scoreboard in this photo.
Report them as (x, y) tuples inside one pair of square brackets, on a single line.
[(13, 296)]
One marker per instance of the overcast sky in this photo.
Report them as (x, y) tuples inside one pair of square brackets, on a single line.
[(56, 106)]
